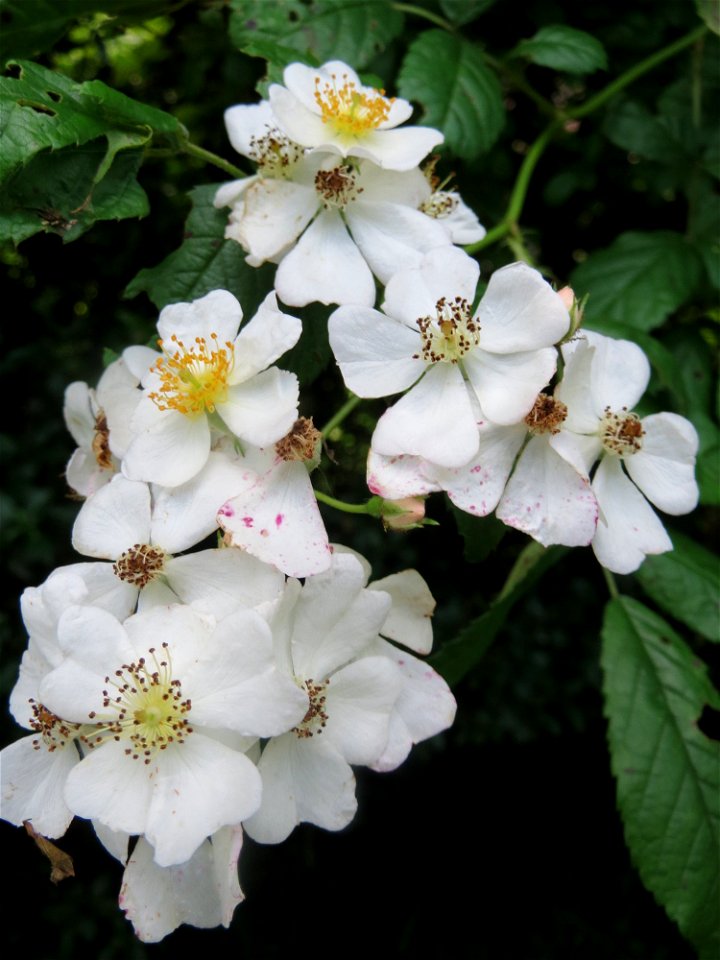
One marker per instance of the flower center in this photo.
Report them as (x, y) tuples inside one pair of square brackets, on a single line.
[(301, 443), (140, 564), (349, 111), (621, 433), (101, 442), (150, 711), (315, 719), (54, 732), (274, 153), (546, 415), (450, 334), (439, 205), (193, 379), (337, 187)]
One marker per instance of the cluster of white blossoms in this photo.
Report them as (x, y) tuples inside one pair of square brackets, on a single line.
[(173, 697), (181, 690), (339, 198), (479, 421)]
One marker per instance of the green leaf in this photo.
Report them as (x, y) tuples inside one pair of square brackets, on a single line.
[(464, 11), (709, 12), (707, 470), (481, 535), (684, 583), (355, 31), (463, 99), (633, 127), (667, 771), (638, 281), (206, 261), (59, 192), (42, 110), (312, 353), (458, 657), (564, 48), (29, 28)]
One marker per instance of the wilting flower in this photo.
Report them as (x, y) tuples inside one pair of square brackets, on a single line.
[(429, 340), (329, 109), (210, 377)]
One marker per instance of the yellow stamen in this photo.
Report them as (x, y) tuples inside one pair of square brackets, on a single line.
[(193, 380), (348, 110)]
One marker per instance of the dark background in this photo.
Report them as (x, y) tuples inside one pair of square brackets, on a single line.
[(498, 839)]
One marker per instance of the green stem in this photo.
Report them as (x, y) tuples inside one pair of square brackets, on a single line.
[(341, 505), (611, 585), (213, 158), (625, 79), (519, 192), (338, 418), (425, 14)]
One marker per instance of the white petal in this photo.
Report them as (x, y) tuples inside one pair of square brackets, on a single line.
[(628, 529), (168, 447), (118, 395), (78, 413), (335, 618), (395, 478), (477, 486), (547, 499), (434, 420), (221, 581), (445, 272), (374, 352), (263, 340), (276, 518), (664, 468), (620, 372), (33, 781), (157, 900), (410, 619), (246, 123), (184, 515), (461, 222), (201, 785), (217, 312), (85, 475), (397, 149), (230, 193), (359, 699), (392, 237), (520, 311), (574, 390), (295, 119), (113, 520), (303, 781), (273, 215), (325, 266), (409, 187), (262, 410), (507, 385), (237, 687)]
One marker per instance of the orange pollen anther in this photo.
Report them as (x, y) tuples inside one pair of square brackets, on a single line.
[(193, 379), (348, 110)]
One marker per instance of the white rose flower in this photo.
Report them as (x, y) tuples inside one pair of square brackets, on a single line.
[(208, 377), (329, 109)]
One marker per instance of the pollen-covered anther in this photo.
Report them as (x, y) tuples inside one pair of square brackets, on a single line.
[(274, 153), (337, 187), (193, 379), (450, 334), (150, 710), (316, 718), (439, 205), (546, 415), (349, 111), (301, 443), (139, 565), (54, 731), (621, 433), (101, 442)]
